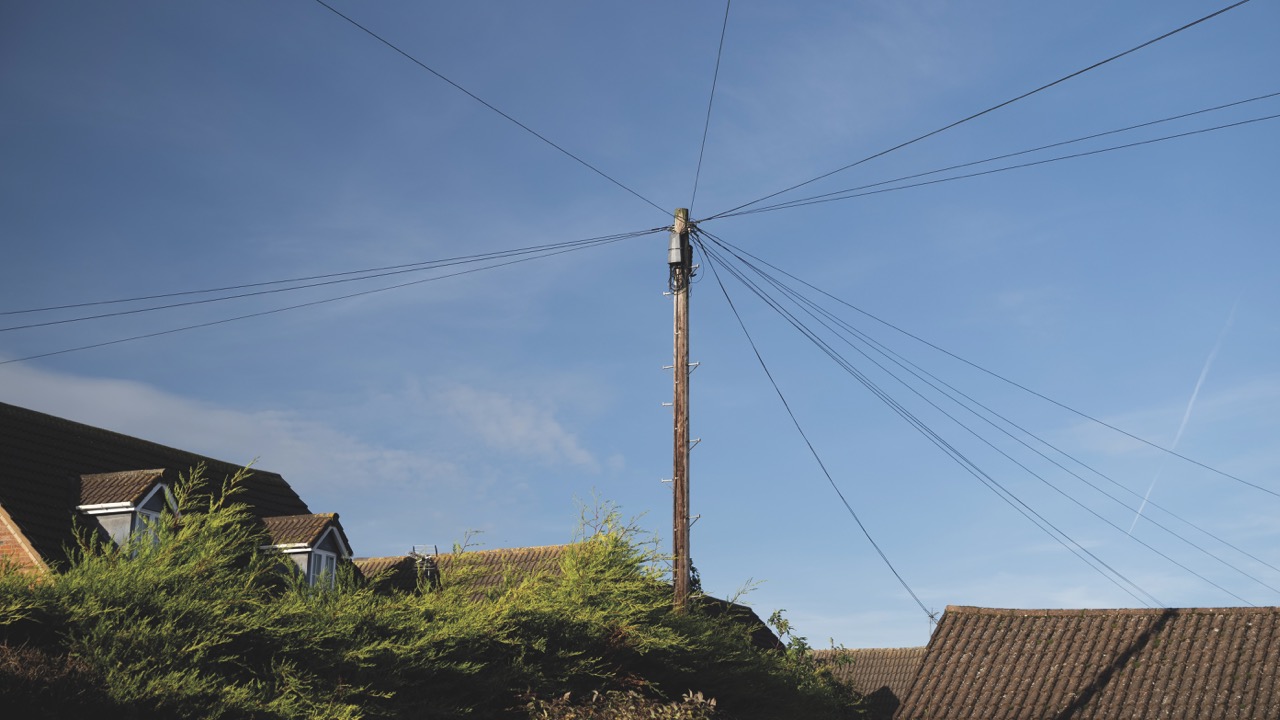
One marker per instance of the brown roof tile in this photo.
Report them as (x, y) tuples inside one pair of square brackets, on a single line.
[(882, 675), (1191, 664), (397, 572), (299, 529), (491, 569), (42, 459), (129, 486), (374, 566), (479, 570)]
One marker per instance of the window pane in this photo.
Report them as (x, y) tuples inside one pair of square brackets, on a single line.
[(149, 523)]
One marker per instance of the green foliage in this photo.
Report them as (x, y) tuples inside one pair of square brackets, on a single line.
[(628, 705), (198, 621)]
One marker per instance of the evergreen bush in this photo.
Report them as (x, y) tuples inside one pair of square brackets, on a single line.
[(198, 621)]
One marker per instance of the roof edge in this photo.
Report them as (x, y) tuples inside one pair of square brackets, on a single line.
[(1070, 612), (505, 550), (94, 429)]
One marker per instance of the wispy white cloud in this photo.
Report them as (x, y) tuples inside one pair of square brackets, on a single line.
[(1186, 415), (312, 453), (333, 469), (517, 426), (1237, 402)]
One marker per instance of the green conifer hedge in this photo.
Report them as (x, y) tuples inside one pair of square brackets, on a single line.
[(198, 622)]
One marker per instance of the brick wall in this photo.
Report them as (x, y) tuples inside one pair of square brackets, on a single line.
[(13, 548)]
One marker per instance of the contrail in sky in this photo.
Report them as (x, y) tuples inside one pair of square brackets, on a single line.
[(1186, 415)]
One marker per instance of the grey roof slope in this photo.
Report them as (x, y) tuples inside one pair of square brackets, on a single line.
[(42, 459), (881, 675), (1176, 664)]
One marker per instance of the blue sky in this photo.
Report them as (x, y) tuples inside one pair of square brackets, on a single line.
[(154, 147)]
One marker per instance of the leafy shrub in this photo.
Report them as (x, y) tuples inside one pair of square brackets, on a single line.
[(628, 705), (200, 623)]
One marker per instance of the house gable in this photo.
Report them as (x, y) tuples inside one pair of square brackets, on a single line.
[(14, 546), (42, 463)]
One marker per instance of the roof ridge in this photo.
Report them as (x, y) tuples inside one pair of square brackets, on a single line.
[(1058, 612), (123, 472), (464, 551), (913, 648), (100, 431)]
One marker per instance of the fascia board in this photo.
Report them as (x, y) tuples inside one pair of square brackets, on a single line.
[(104, 508), (346, 551), (287, 548)]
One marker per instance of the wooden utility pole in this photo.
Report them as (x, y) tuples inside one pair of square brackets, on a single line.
[(680, 264)]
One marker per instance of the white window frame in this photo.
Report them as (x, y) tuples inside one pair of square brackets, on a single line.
[(148, 522), (323, 564)]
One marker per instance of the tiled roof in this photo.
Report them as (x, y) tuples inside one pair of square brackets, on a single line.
[(398, 572), (42, 459), (129, 486), (370, 567), (300, 529), (490, 569), (1180, 664), (882, 675), (479, 570)]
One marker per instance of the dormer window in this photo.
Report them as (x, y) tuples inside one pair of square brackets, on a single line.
[(315, 544), (123, 503), (148, 521), (324, 568)]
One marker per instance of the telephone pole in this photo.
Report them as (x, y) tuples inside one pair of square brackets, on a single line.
[(680, 265)]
